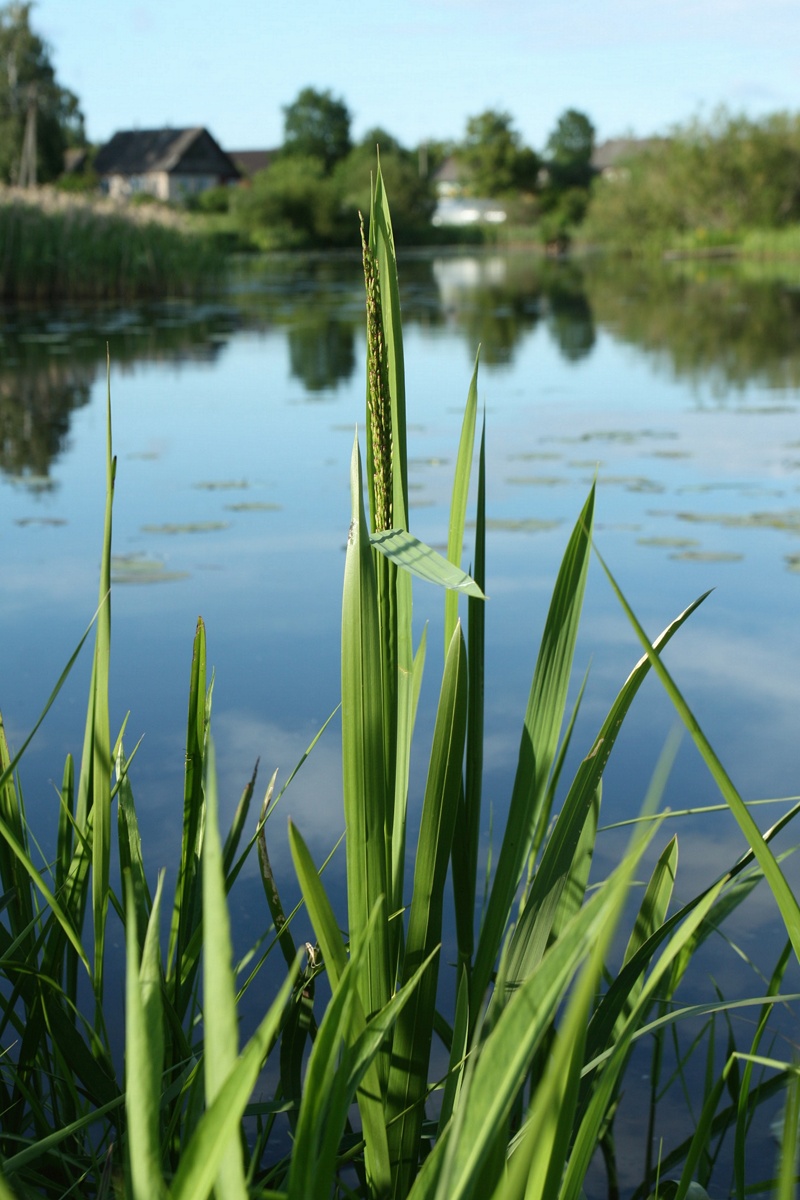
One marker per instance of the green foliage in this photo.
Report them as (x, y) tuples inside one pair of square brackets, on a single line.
[(710, 181), (413, 199), (494, 158), (27, 80), (569, 150), (294, 202), (317, 125)]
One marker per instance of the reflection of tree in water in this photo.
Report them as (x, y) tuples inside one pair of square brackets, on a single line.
[(718, 324), (569, 318), (35, 412), (498, 300), (49, 362), (322, 352)]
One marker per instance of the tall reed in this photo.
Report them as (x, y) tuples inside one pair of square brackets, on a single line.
[(57, 247)]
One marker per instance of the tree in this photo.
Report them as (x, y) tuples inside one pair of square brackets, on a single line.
[(492, 153), (411, 196), (293, 202), (317, 125), (32, 99), (569, 150)]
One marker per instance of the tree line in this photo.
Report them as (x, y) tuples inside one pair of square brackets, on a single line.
[(705, 183)]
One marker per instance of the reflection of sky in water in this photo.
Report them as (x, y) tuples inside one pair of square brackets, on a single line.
[(233, 442)]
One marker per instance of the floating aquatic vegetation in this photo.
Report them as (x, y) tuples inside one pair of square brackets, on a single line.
[(536, 480), (632, 483), (520, 524), (669, 543), (707, 556), (222, 485), (187, 527), (627, 437), (744, 489), (23, 522), (136, 568), (789, 520), (534, 456), (253, 506)]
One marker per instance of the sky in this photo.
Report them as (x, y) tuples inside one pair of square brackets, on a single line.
[(420, 68)]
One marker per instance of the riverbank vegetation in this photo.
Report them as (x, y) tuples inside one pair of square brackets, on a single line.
[(378, 1064), (55, 246), (726, 184)]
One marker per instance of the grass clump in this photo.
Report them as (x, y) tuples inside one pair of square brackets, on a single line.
[(54, 246), (551, 994)]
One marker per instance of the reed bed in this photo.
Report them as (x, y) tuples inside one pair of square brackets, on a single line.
[(56, 247), (559, 976)]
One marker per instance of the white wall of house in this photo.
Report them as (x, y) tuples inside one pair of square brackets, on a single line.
[(160, 184)]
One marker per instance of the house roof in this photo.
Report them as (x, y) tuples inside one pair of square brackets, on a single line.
[(250, 161), (190, 151), (615, 150)]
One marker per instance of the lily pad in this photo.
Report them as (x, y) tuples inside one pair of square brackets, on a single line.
[(707, 556), (669, 543), (135, 568), (23, 522), (520, 525), (187, 527), (223, 485), (536, 480), (253, 506)]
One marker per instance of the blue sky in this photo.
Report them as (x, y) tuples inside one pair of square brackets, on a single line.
[(419, 68)]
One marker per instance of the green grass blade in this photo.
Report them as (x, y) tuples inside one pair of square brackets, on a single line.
[(532, 930), (363, 765), (412, 1040), (94, 787), (494, 1077), (220, 1018), (202, 1156), (539, 740), (466, 842), (144, 1050), (370, 1096), (784, 897), (787, 1171), (546, 1148), (458, 502), (186, 913)]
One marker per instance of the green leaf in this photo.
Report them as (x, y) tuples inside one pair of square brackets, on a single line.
[(538, 743), (408, 552), (363, 763), (412, 1040), (144, 1049), (784, 896), (220, 1018)]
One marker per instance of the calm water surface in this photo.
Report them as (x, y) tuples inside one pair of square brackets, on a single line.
[(233, 425)]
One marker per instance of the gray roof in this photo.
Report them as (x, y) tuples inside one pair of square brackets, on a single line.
[(187, 151)]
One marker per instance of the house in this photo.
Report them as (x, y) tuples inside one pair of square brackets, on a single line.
[(169, 164), (454, 206)]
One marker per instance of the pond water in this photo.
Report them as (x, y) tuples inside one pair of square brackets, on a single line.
[(677, 389)]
